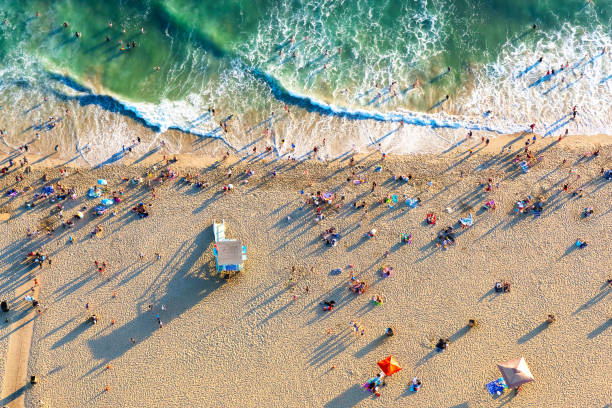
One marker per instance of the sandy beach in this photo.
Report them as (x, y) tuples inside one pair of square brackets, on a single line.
[(261, 337)]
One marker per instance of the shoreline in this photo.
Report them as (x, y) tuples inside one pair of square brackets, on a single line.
[(155, 154)]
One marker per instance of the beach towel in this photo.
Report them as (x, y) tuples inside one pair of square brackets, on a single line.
[(107, 202), (376, 381), (92, 193), (412, 203), (467, 222), (497, 387)]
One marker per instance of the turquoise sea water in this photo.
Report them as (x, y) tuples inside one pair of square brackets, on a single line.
[(338, 58)]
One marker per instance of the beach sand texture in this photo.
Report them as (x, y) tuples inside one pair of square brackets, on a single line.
[(248, 342)]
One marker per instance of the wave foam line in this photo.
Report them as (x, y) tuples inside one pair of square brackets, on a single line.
[(88, 97), (313, 105), (160, 122)]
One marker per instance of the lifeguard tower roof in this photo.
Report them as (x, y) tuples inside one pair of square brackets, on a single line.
[(229, 252)]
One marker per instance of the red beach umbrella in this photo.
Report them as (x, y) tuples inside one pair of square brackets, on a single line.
[(389, 366)]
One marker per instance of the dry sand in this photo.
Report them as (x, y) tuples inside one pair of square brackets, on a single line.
[(247, 341)]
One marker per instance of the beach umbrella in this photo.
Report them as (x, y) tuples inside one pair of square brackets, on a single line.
[(389, 366), (515, 372)]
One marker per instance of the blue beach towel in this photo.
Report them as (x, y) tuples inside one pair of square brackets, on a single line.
[(497, 387), (412, 203)]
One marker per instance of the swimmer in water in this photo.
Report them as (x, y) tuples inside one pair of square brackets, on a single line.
[(157, 68), (65, 24), (110, 24), (77, 34)]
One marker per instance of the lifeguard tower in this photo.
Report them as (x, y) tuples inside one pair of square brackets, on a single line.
[(230, 254)]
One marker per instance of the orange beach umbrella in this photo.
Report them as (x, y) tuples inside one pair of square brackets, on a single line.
[(389, 365)]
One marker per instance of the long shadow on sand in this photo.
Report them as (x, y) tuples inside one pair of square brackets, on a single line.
[(600, 329), (186, 288), (349, 398), (528, 336)]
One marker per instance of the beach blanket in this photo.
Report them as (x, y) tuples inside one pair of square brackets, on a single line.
[(412, 202), (376, 381), (497, 387), (92, 193), (467, 222)]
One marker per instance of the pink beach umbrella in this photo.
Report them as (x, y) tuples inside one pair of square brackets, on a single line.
[(516, 372)]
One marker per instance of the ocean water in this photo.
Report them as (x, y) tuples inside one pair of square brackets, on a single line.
[(301, 71)]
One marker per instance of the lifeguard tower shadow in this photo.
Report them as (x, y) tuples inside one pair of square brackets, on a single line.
[(193, 281)]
